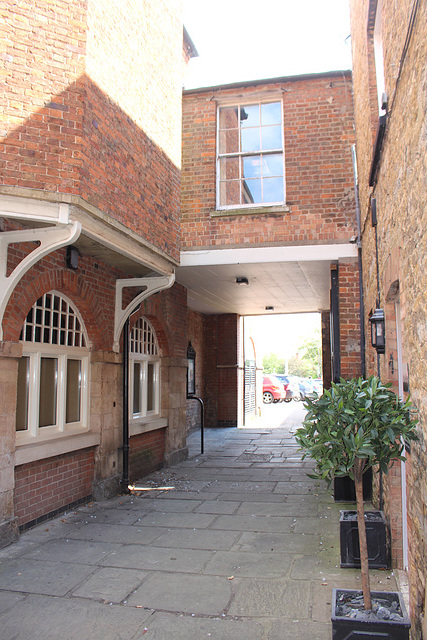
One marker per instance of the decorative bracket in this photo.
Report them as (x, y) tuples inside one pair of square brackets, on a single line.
[(151, 285), (49, 239)]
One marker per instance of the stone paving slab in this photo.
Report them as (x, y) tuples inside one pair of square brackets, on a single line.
[(115, 533), (198, 539), (218, 507), (75, 551), (41, 618), (257, 597), (180, 520), (49, 578), (253, 523), (110, 585), (158, 559), (248, 564), (278, 542), (208, 595), (274, 509), (163, 626)]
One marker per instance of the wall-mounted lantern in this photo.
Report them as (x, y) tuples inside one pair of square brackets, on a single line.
[(191, 370), (377, 321)]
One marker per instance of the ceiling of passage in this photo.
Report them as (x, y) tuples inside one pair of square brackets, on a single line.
[(288, 287)]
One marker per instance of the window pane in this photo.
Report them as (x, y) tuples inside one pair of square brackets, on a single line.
[(229, 169), (271, 137), (252, 167), (229, 141), (271, 113), (229, 192), (137, 396), (273, 190), (228, 118), (250, 140), (22, 396), (74, 386), (249, 116), (251, 191), (151, 401), (48, 385), (272, 165)]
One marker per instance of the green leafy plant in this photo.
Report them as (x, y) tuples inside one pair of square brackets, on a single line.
[(355, 425)]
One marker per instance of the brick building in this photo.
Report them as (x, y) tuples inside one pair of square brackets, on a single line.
[(389, 76), (104, 284), (268, 203), (90, 229)]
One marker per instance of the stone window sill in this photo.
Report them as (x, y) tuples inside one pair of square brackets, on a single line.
[(57, 445), (144, 425), (250, 211)]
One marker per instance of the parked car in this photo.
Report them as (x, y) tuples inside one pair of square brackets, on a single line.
[(307, 389), (317, 385), (273, 390), (293, 386)]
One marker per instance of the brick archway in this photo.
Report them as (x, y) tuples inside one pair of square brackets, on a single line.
[(72, 285)]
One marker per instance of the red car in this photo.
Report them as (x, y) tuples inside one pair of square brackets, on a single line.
[(274, 391)]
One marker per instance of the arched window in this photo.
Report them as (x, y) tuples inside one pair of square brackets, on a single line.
[(144, 371), (53, 371)]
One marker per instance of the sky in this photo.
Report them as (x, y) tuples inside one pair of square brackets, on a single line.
[(281, 334), (240, 40)]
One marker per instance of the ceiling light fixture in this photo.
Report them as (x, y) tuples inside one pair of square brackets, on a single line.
[(269, 308), (242, 281)]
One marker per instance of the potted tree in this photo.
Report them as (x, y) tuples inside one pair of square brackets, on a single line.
[(356, 425)]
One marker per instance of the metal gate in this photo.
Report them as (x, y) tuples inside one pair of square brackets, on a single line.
[(250, 387)]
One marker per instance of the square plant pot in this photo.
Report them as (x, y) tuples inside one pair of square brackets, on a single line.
[(375, 628), (375, 536), (344, 489)]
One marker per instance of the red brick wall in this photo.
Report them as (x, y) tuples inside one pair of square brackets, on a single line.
[(349, 303), (50, 485), (146, 452), (221, 370), (42, 101), (318, 132), (210, 373), (70, 128)]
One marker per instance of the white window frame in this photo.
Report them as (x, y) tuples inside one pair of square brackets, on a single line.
[(251, 100), (35, 351), (144, 350)]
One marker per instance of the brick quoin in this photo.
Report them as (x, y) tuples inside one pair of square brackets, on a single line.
[(51, 485)]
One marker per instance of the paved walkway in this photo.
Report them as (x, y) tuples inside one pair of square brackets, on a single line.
[(234, 544)]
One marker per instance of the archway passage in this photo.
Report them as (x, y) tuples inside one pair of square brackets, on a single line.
[(226, 285)]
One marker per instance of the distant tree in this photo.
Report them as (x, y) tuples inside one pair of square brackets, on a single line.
[(273, 364), (301, 367), (308, 361)]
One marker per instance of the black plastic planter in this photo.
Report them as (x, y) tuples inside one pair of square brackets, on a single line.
[(344, 490), (375, 536), (345, 628)]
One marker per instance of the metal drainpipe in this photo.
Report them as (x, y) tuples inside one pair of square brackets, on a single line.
[(125, 446), (359, 257)]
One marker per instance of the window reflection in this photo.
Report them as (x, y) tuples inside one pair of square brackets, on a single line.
[(250, 148), (271, 113)]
